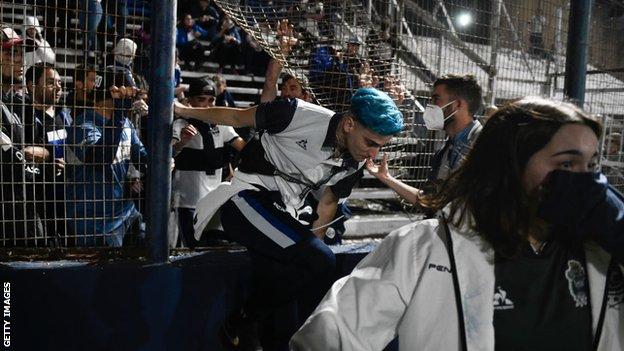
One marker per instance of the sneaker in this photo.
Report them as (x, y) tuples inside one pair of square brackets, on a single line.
[(239, 333)]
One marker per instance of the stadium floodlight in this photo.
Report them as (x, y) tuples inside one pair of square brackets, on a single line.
[(464, 19)]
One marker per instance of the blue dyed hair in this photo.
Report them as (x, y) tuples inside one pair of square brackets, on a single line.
[(376, 111)]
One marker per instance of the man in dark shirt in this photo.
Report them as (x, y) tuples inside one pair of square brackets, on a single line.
[(12, 70)]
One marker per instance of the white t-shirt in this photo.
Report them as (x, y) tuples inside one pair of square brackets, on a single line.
[(190, 186)]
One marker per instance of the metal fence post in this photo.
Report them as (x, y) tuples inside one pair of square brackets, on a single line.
[(159, 122), (576, 55)]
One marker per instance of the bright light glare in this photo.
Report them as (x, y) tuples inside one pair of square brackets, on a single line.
[(464, 19)]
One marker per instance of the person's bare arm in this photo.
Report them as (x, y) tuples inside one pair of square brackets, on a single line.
[(326, 210), (286, 39), (238, 144), (229, 116), (380, 171), (269, 89)]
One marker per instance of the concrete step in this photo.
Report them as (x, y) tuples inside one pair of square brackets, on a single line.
[(373, 193), (376, 225)]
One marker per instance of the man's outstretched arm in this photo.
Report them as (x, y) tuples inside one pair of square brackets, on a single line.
[(229, 116)]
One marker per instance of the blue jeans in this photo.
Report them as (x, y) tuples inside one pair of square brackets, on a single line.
[(90, 17), (116, 14), (287, 258)]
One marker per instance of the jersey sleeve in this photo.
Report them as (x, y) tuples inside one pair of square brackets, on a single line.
[(228, 133), (178, 125), (275, 116)]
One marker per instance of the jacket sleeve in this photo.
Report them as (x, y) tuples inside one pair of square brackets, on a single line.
[(96, 145), (362, 311)]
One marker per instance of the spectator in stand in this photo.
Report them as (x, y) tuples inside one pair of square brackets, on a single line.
[(291, 88), (256, 59), (207, 16), (224, 97), (81, 97), (90, 15), (116, 14), (102, 144), (536, 34), (227, 45), (49, 123), (36, 48), (12, 69), (200, 157), (124, 53), (187, 42), (382, 46), (20, 220)]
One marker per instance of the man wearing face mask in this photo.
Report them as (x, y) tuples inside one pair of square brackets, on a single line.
[(454, 102)]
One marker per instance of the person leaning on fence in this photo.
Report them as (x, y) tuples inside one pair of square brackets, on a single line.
[(525, 254), (304, 150), (12, 70), (102, 143), (200, 157), (47, 125), (20, 220), (454, 102), (80, 97)]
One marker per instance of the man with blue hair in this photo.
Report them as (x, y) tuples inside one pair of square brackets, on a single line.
[(303, 150)]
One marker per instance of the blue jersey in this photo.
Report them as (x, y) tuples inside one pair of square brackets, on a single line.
[(99, 154)]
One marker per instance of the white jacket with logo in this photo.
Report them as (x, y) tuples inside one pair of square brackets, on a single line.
[(405, 288)]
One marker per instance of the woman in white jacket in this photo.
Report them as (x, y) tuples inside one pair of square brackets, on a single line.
[(525, 254), (36, 48)]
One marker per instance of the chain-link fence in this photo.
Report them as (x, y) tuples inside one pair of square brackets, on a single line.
[(513, 48), (74, 155)]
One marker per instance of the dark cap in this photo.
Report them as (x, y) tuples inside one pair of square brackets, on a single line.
[(9, 37), (201, 86)]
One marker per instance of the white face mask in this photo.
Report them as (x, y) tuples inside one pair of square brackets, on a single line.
[(434, 116)]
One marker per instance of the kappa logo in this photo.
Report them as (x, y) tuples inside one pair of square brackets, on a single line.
[(501, 302), (303, 143)]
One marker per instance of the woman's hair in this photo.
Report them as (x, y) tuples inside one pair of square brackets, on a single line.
[(488, 187)]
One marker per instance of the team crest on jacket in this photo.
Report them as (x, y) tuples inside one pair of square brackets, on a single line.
[(303, 143), (575, 274), (501, 302)]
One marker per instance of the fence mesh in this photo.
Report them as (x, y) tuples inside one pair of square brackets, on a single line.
[(59, 57)]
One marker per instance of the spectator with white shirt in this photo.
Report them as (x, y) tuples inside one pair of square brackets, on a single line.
[(200, 157)]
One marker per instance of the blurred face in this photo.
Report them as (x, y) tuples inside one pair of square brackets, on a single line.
[(291, 89), (361, 142), (188, 21), (442, 97), (12, 65), (573, 148), (48, 90), (221, 86), (352, 49), (202, 101), (31, 32)]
